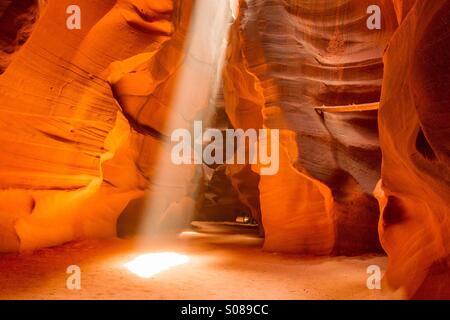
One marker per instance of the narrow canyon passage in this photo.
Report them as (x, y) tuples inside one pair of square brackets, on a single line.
[(225, 262), (302, 147)]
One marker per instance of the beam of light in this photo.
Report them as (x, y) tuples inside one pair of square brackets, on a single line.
[(198, 81), (148, 265)]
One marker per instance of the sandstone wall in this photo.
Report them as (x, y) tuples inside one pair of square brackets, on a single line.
[(413, 120), (290, 58)]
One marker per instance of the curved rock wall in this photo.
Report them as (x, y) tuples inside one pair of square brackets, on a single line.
[(292, 57), (62, 127), (414, 131)]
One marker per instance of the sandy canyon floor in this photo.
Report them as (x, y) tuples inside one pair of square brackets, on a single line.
[(225, 262)]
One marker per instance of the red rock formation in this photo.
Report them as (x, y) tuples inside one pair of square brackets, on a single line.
[(63, 127), (90, 150), (293, 57), (414, 131)]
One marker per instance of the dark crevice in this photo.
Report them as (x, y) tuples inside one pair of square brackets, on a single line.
[(423, 146), (394, 212), (17, 20)]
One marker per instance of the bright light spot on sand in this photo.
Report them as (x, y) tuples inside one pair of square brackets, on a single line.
[(148, 265), (189, 233)]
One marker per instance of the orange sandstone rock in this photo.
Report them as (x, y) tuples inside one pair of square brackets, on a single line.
[(413, 120), (289, 58), (66, 145)]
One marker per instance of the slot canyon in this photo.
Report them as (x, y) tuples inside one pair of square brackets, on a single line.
[(91, 92)]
